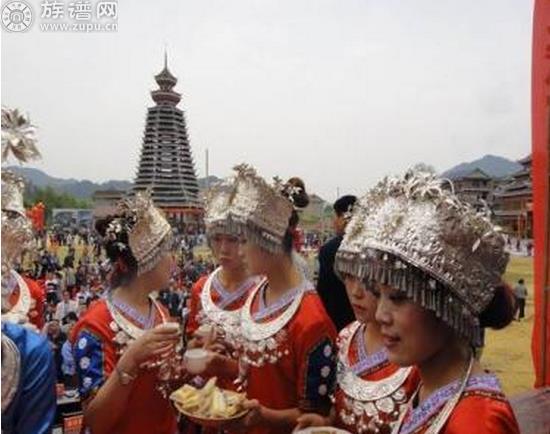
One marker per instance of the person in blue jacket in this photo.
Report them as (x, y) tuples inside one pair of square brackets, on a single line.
[(28, 382)]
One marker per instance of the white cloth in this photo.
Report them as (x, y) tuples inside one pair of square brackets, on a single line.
[(63, 308)]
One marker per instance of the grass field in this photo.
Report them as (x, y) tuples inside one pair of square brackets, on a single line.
[(507, 352)]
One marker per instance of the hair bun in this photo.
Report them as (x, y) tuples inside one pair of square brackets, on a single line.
[(500, 311), (295, 190), (102, 224), (115, 236)]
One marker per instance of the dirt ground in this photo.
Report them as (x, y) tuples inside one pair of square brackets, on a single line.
[(507, 352)]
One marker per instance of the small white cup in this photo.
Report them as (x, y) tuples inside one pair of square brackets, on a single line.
[(195, 360)]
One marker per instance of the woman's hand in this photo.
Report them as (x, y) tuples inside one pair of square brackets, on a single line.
[(214, 364), (221, 366), (311, 419), (217, 347), (194, 342), (155, 343), (253, 418)]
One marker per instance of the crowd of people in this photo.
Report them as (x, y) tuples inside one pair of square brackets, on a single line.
[(83, 286), (388, 338), (68, 272)]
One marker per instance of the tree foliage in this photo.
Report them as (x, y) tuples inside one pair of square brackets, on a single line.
[(53, 199)]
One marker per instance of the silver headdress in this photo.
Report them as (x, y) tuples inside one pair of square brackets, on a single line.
[(412, 234), (149, 233), (17, 236), (218, 203), (18, 140), (13, 187), (249, 206)]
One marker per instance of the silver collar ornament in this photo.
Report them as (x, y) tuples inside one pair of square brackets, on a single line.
[(226, 322), (169, 369), (265, 342), (368, 405), (18, 313)]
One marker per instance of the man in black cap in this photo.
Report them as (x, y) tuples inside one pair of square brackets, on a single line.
[(331, 289)]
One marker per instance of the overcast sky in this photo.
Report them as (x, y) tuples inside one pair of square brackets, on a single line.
[(339, 92)]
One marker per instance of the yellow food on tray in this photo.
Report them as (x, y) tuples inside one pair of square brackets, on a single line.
[(210, 402)]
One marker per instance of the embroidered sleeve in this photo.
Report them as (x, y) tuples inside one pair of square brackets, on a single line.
[(317, 375), (89, 358)]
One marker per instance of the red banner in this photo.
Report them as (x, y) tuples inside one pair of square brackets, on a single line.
[(72, 424), (540, 104), (37, 216)]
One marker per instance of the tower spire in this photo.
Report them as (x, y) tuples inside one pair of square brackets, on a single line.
[(166, 82)]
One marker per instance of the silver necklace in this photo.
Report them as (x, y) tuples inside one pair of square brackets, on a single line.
[(366, 401), (227, 298), (225, 319), (19, 312), (169, 370), (261, 343), (255, 331), (125, 331)]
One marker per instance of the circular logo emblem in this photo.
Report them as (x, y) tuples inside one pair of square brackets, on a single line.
[(16, 16)]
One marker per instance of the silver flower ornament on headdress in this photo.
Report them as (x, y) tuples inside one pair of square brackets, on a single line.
[(18, 136), (415, 235)]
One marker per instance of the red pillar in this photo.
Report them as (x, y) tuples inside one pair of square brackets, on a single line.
[(541, 169)]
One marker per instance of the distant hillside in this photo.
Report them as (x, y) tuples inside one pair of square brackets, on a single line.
[(492, 165), (81, 189)]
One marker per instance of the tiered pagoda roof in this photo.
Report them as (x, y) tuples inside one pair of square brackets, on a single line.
[(166, 164), (519, 183)]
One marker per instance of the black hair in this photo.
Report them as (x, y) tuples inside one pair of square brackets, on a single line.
[(344, 204), (295, 191), (500, 311), (521, 281), (71, 316), (124, 264)]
